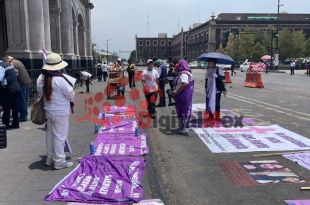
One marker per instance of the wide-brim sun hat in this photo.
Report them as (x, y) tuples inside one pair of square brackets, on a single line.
[(54, 62)]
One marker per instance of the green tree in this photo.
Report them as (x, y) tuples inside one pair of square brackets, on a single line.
[(307, 48), (258, 51), (133, 55), (286, 44), (299, 43), (232, 47), (246, 43)]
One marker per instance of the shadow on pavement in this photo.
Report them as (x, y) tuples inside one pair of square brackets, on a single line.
[(39, 165)]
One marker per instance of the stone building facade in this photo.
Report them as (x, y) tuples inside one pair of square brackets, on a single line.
[(62, 26), (210, 35), (179, 45), (148, 48)]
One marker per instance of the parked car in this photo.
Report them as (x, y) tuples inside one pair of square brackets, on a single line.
[(194, 65)]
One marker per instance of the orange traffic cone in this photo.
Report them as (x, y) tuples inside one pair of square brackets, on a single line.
[(227, 77)]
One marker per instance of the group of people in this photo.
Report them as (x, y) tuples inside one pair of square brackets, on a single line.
[(14, 92), (181, 84), (102, 71)]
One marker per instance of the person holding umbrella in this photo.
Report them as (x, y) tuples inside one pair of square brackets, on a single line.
[(215, 86), (214, 83)]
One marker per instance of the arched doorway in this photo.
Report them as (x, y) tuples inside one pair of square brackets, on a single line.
[(81, 35), (3, 30)]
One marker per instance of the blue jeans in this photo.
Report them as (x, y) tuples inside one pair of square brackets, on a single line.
[(23, 105)]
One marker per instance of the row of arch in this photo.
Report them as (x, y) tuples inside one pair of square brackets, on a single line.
[(79, 30), (77, 24)]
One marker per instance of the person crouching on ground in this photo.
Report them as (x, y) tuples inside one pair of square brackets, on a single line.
[(150, 87), (183, 95), (215, 86), (58, 94), (86, 76)]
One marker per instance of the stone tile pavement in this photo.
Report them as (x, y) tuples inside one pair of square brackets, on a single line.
[(23, 177)]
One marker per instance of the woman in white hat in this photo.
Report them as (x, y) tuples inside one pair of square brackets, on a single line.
[(58, 92)]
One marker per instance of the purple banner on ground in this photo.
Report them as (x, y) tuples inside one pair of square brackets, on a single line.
[(298, 202), (117, 109), (303, 159), (122, 127), (105, 146), (102, 180)]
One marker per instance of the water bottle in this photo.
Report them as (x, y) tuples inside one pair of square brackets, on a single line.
[(134, 126), (97, 127), (137, 132), (91, 148)]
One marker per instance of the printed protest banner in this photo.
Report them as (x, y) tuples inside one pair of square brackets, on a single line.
[(102, 180), (105, 146), (121, 127), (251, 139), (197, 117), (259, 172), (303, 159), (298, 202)]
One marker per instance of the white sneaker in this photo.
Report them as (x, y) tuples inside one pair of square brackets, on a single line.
[(183, 131), (64, 166)]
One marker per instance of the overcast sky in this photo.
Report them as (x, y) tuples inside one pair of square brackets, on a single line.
[(121, 20)]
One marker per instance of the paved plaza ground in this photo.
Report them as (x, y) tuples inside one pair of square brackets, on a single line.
[(181, 169)]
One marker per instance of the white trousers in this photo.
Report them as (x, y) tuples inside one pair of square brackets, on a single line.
[(56, 135)]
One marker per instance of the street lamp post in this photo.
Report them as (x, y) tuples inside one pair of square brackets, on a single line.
[(277, 53), (108, 50)]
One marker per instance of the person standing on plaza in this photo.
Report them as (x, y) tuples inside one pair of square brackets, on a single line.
[(293, 66), (131, 69), (25, 83), (183, 96), (171, 75), (150, 87), (163, 72), (99, 72), (11, 92), (120, 65), (308, 67), (214, 84), (57, 90), (105, 69)]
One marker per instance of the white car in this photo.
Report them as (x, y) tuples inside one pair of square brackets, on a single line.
[(245, 66)]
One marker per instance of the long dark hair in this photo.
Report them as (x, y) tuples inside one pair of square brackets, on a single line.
[(47, 87)]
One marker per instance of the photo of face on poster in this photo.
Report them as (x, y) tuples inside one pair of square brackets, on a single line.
[(264, 172)]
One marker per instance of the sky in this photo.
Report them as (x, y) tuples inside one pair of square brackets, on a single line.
[(120, 20)]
